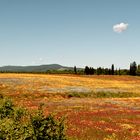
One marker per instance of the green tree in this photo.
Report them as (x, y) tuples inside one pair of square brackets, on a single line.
[(75, 70), (112, 69), (99, 71), (119, 72), (138, 70), (106, 71), (133, 68), (91, 70), (87, 70)]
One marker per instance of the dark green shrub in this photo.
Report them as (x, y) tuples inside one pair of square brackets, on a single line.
[(1, 96), (17, 124), (47, 128), (6, 109)]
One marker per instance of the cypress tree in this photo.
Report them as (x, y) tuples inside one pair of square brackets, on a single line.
[(75, 70), (112, 69), (133, 69), (87, 70)]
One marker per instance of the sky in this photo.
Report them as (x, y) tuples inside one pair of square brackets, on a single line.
[(70, 32)]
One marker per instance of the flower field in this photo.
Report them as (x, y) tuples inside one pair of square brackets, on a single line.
[(95, 107)]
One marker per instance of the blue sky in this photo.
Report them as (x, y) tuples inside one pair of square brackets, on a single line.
[(69, 32)]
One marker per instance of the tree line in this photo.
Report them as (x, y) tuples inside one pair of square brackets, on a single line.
[(133, 70)]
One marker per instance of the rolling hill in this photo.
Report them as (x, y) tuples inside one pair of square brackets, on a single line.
[(40, 68)]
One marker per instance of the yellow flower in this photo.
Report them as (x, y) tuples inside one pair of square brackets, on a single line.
[(127, 126)]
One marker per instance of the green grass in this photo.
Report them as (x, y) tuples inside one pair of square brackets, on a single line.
[(102, 95)]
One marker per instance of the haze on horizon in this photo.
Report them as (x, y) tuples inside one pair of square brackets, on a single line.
[(70, 32)]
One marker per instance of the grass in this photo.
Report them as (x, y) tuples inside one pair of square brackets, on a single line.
[(95, 107), (102, 95)]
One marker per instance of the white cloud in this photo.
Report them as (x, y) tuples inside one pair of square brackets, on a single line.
[(120, 27)]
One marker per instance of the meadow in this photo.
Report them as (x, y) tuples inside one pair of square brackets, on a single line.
[(95, 107)]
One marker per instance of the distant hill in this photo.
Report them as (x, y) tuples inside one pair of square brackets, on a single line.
[(41, 68)]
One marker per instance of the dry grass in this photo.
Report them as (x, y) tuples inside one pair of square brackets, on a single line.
[(87, 118), (68, 83)]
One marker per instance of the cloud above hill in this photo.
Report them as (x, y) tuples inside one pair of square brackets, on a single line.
[(118, 28)]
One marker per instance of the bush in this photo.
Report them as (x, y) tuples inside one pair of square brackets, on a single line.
[(47, 128), (17, 124)]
